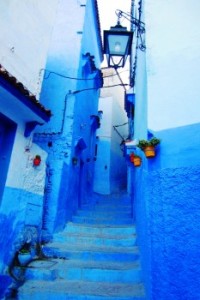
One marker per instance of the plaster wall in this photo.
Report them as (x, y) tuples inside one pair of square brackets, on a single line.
[(166, 194), (140, 119), (110, 165), (70, 89), (102, 183), (118, 174), (24, 38), (21, 206), (173, 63)]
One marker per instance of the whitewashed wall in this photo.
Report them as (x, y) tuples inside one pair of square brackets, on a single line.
[(25, 30), (110, 171), (173, 59)]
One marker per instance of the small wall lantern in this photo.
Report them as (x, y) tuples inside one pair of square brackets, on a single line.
[(37, 160), (117, 45)]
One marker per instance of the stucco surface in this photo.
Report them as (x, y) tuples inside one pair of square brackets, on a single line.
[(166, 205), (174, 215)]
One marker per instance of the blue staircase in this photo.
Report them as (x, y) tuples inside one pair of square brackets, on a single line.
[(94, 258)]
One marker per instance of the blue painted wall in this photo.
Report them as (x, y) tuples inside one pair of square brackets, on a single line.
[(166, 205), (71, 91)]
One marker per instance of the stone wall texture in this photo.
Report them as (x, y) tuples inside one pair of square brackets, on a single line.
[(166, 195)]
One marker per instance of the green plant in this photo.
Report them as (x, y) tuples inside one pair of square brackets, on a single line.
[(24, 251), (154, 141), (38, 157), (145, 143), (25, 248)]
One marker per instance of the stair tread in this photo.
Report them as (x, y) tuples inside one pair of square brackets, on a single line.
[(90, 248), (101, 225), (95, 257), (78, 263), (69, 287), (96, 235), (96, 217)]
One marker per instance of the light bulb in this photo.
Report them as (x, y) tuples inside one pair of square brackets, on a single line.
[(117, 46)]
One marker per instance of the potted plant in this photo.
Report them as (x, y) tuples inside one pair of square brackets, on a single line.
[(37, 160), (148, 146), (24, 255), (135, 159)]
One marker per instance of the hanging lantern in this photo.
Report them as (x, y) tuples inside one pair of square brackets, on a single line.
[(117, 45)]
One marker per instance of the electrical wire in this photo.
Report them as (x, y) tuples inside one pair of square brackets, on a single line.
[(74, 78), (104, 87), (120, 125)]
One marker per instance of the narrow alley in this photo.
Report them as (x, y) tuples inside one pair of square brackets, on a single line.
[(95, 257), (99, 150)]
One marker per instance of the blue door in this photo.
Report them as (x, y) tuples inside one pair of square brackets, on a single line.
[(7, 136)]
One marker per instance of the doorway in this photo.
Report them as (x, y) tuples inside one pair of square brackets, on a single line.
[(7, 136)]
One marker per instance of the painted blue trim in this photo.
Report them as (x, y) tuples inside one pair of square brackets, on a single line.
[(30, 126), (24, 99), (7, 136)]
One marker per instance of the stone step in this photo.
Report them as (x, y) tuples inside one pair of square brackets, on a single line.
[(97, 220), (107, 207), (105, 214), (62, 289), (99, 240), (127, 272), (90, 252), (99, 229)]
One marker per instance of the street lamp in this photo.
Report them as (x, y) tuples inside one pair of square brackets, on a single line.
[(117, 45), (118, 41)]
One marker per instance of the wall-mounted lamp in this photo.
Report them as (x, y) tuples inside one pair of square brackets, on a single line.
[(117, 45), (118, 40)]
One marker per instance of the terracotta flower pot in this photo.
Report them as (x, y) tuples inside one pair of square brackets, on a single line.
[(24, 258), (149, 151), (36, 161), (137, 161)]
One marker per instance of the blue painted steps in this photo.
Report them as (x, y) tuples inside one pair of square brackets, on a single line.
[(94, 257), (73, 290)]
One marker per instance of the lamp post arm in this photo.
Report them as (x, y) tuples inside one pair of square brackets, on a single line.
[(138, 23)]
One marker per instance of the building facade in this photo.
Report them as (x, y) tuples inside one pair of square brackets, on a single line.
[(71, 84), (50, 82), (165, 189), (22, 183)]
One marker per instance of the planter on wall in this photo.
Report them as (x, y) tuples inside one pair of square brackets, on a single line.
[(137, 161), (132, 157), (149, 151), (148, 146), (24, 258), (37, 160)]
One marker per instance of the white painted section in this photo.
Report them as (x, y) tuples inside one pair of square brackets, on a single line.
[(140, 120), (110, 168), (173, 52), (25, 31)]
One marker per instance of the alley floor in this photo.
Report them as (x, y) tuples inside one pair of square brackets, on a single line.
[(95, 257)]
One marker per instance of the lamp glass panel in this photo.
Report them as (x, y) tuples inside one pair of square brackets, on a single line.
[(117, 44)]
